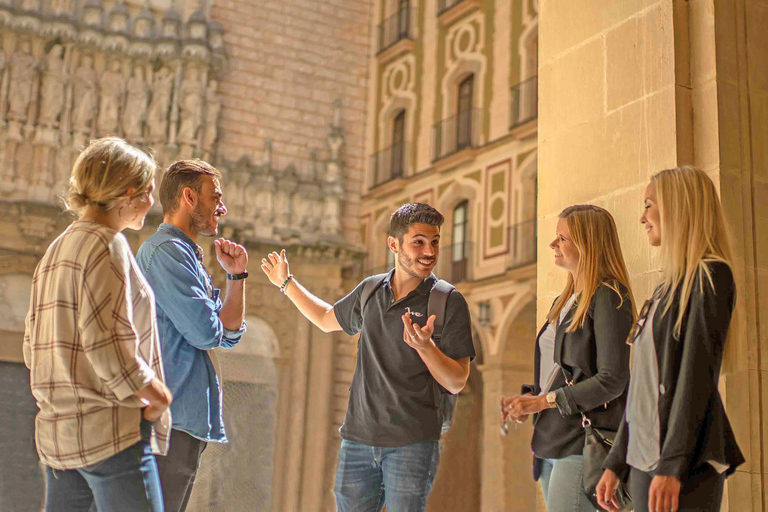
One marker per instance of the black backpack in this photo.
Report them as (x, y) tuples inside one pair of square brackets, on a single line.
[(438, 300)]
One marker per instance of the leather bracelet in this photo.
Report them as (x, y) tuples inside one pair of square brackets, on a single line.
[(285, 284), (237, 277)]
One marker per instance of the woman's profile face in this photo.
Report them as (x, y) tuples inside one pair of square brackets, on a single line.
[(139, 206), (566, 253), (651, 217)]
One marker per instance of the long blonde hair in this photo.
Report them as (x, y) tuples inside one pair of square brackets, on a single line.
[(693, 232), (104, 172), (593, 232)]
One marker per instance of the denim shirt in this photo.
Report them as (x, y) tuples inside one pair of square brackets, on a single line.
[(188, 322)]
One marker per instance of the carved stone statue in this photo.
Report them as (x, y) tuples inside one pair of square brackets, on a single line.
[(135, 113), (212, 108), (24, 71), (55, 79), (157, 116), (191, 103), (85, 95), (112, 91)]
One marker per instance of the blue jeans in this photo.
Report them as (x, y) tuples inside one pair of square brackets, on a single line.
[(370, 477), (561, 485), (125, 482)]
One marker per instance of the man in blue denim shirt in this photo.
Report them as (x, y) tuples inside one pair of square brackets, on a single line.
[(191, 317)]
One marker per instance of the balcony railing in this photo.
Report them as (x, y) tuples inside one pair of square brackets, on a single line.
[(460, 131), (524, 102), (389, 163), (397, 27), (455, 259), (444, 5), (522, 244)]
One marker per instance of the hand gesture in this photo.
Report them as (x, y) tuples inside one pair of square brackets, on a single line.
[(518, 407), (664, 494), (276, 267), (606, 491), (506, 411), (418, 338), (232, 257)]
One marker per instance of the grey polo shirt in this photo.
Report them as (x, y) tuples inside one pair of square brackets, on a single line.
[(392, 400)]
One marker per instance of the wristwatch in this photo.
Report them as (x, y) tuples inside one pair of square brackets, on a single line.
[(552, 399), (237, 277)]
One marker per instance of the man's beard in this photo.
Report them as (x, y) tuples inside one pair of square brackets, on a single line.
[(200, 222), (408, 265)]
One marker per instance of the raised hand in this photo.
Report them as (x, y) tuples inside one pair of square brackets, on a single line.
[(418, 338), (232, 257), (275, 266)]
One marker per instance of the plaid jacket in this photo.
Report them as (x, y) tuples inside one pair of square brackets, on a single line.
[(91, 342)]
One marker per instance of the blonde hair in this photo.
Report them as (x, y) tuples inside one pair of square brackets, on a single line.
[(693, 232), (593, 232), (104, 172)]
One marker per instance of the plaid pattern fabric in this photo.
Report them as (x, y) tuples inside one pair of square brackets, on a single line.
[(91, 342)]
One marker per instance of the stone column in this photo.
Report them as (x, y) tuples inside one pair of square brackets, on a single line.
[(507, 482)]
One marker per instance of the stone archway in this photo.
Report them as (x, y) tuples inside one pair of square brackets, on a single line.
[(457, 483), (238, 475)]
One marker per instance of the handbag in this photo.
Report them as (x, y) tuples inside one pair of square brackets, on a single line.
[(597, 444)]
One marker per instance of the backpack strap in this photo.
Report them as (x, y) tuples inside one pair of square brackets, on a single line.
[(369, 288), (438, 300)]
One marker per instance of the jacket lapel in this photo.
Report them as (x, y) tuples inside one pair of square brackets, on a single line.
[(560, 334)]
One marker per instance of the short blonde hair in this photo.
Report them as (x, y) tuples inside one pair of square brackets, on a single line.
[(594, 233), (104, 172)]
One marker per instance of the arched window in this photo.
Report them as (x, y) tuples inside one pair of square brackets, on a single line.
[(459, 242), (403, 19), (398, 145), (464, 113)]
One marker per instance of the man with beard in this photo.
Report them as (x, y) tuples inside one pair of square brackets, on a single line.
[(389, 450), (191, 317)]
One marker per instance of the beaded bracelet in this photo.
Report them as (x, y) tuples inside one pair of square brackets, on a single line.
[(285, 284)]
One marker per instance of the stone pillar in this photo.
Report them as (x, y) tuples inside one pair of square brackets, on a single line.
[(506, 470)]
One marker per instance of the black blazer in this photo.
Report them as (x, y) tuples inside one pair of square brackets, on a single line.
[(597, 357), (694, 426)]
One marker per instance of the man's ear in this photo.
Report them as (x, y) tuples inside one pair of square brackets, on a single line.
[(189, 196), (392, 244)]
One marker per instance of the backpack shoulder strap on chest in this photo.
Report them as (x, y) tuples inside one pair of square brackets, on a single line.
[(369, 288), (438, 301)]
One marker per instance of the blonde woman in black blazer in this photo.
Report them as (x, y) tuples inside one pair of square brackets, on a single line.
[(675, 441), (584, 335)]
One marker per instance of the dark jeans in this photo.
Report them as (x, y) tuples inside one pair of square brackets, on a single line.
[(369, 477), (703, 491), (178, 469), (125, 482)]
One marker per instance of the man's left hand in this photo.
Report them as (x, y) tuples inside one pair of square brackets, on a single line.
[(418, 338), (664, 494), (232, 257)]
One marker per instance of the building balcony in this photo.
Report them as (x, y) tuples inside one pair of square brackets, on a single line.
[(449, 11), (522, 242), (457, 133), (396, 34), (389, 164), (456, 262), (524, 103)]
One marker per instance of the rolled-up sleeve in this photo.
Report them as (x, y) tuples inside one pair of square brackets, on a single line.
[(171, 269), (109, 337)]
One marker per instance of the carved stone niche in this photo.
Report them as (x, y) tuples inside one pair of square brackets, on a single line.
[(117, 37), (216, 36), (171, 24), (144, 25), (35, 222), (93, 13)]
